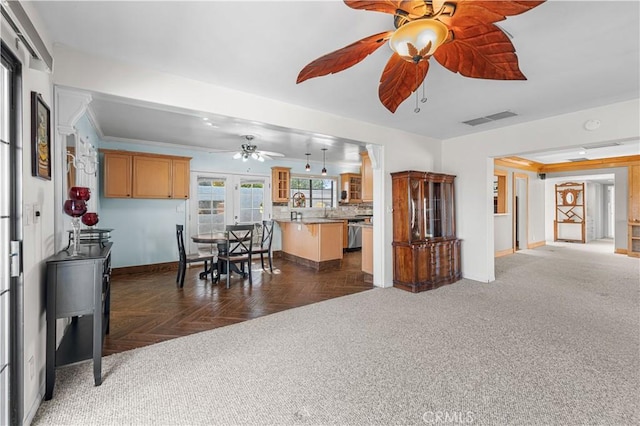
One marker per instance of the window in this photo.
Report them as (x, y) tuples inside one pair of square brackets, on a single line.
[(309, 192)]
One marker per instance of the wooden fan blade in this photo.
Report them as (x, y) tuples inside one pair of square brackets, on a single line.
[(399, 79), (414, 9), (481, 12), (343, 58), (482, 51)]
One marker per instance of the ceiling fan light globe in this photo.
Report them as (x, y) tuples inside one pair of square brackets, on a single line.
[(254, 155), (418, 33), (237, 155), (261, 158)]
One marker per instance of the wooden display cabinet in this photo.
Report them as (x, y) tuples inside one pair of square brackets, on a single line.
[(426, 251), (352, 184), (280, 184)]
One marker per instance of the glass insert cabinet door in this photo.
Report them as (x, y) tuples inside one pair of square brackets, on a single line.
[(417, 201), (439, 211)]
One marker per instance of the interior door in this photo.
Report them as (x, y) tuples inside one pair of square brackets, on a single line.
[(520, 208)]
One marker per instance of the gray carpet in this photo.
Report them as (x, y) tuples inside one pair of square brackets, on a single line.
[(554, 340)]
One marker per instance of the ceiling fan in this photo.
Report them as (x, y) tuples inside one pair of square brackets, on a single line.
[(460, 34), (249, 150)]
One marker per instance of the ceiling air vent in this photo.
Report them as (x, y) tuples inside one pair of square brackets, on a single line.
[(489, 118)]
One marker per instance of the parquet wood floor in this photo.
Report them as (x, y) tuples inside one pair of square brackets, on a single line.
[(150, 308)]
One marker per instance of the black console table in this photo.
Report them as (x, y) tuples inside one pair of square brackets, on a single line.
[(78, 287)]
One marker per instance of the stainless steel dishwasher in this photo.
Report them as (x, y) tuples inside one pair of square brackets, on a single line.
[(355, 235)]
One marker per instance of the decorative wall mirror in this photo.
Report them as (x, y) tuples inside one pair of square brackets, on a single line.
[(570, 196)]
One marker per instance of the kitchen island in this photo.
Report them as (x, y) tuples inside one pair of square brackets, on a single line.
[(314, 242)]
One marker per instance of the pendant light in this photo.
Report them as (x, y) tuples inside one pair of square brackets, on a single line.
[(307, 167), (324, 158)]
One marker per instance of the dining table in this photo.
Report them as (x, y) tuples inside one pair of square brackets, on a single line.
[(220, 239)]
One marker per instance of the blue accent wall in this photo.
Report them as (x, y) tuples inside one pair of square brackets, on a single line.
[(144, 230)]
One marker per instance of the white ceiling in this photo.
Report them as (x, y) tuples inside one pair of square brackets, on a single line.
[(575, 54)]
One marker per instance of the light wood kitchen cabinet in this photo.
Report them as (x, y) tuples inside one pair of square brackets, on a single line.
[(180, 173), (345, 234), (633, 246), (351, 183), (367, 250), (117, 175), (280, 184), (366, 172), (151, 177), (142, 175)]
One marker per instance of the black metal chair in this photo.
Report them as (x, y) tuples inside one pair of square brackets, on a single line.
[(238, 251), (191, 258), (265, 243)]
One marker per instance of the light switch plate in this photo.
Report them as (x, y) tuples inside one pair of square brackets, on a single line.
[(28, 214)]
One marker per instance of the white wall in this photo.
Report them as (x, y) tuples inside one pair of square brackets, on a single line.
[(469, 157), (38, 235)]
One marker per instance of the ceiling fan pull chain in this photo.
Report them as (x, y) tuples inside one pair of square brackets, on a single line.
[(424, 96), (417, 109)]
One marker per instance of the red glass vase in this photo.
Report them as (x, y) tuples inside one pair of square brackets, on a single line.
[(75, 208), (79, 193), (90, 219)]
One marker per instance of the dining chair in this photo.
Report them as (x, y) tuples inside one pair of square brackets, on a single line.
[(264, 246), (238, 250), (190, 258)]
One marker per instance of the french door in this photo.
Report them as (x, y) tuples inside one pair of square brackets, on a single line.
[(218, 200), (10, 233)]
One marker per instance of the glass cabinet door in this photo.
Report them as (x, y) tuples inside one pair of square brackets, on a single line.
[(447, 210), (436, 209), (416, 200)]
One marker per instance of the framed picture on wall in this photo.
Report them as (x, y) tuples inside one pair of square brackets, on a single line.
[(40, 137)]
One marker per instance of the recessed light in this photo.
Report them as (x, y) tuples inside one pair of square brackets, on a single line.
[(205, 118), (582, 152)]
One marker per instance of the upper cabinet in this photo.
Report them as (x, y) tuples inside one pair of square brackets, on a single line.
[(366, 172), (142, 175), (351, 186), (280, 178), (117, 175)]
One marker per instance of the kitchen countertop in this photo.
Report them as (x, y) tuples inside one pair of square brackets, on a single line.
[(311, 220)]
